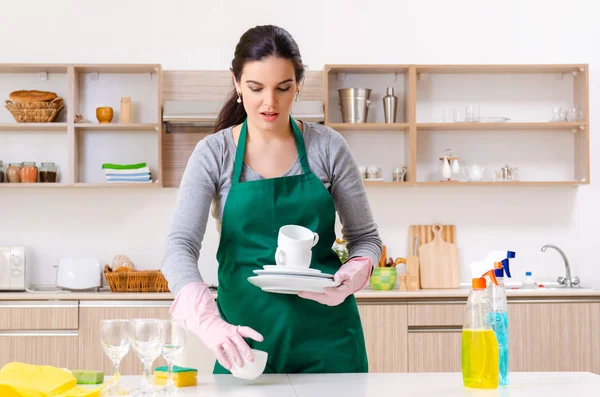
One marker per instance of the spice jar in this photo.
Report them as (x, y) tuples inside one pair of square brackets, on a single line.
[(29, 172), (1, 172), (48, 173), (13, 173)]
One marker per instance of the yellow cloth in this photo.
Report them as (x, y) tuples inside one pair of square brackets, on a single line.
[(26, 380)]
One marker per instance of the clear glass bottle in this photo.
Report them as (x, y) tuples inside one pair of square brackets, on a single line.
[(13, 172), (29, 172), (48, 173)]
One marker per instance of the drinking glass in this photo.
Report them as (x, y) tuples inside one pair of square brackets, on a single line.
[(147, 339), (114, 337), (175, 332)]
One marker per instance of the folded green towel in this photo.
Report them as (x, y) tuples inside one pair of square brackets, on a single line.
[(111, 166), (176, 369)]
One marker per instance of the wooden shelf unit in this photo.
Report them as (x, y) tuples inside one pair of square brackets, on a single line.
[(419, 85), (83, 88)]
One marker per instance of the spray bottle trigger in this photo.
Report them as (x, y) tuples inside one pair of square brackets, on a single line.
[(492, 276), (505, 263)]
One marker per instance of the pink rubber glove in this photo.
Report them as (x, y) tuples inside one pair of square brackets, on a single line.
[(353, 276), (196, 305)]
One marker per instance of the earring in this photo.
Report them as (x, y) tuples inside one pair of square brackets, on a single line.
[(239, 100), (297, 95)]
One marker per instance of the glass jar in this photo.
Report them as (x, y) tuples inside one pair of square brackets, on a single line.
[(29, 172), (1, 172), (48, 173), (13, 173)]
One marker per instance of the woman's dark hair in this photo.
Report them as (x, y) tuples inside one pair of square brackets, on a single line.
[(256, 44)]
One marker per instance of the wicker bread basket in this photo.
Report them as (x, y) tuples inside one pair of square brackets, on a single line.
[(135, 280), (35, 112)]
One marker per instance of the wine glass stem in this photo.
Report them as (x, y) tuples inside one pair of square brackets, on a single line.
[(116, 376), (146, 385), (170, 385)]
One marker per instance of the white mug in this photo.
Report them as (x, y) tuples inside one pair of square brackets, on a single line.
[(293, 257), (296, 237)]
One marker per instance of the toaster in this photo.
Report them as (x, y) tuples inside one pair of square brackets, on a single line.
[(12, 268), (78, 273)]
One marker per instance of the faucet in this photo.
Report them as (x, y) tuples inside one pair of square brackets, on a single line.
[(567, 281)]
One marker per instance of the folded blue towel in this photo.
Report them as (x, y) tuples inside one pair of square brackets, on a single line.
[(116, 180), (132, 174)]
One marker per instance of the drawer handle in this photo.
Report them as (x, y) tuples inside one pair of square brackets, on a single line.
[(449, 328), (38, 333)]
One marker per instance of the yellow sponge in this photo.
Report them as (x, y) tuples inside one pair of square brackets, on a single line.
[(26, 380), (182, 376)]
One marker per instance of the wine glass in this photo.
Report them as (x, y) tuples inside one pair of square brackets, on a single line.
[(147, 339), (175, 333), (114, 337)]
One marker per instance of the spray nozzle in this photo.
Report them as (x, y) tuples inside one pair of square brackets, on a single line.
[(492, 275), (500, 267)]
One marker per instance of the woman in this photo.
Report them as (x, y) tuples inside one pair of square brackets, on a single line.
[(262, 170)]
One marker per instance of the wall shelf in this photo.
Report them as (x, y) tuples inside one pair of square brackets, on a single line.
[(369, 126), (428, 94), (79, 149), (117, 126), (33, 126), (553, 126)]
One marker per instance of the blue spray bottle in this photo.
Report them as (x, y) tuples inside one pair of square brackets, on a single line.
[(499, 317)]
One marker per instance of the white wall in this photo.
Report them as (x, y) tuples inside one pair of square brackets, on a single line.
[(202, 35)]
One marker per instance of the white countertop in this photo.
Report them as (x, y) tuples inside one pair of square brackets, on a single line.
[(364, 295), (546, 384)]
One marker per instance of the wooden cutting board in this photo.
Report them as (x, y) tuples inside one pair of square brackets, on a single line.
[(425, 234), (438, 257)]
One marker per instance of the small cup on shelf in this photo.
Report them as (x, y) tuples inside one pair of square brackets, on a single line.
[(104, 114)]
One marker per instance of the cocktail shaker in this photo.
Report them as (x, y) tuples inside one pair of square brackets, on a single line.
[(390, 105)]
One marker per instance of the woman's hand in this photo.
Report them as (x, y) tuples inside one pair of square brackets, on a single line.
[(352, 276), (196, 305)]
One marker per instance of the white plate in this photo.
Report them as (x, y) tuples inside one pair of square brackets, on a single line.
[(304, 270), (283, 270), (291, 284)]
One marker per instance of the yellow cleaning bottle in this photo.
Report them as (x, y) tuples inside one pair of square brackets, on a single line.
[(479, 343)]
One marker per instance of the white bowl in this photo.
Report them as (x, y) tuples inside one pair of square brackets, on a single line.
[(251, 370)]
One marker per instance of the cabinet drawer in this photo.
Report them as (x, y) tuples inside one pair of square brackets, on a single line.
[(435, 315), (434, 351), (42, 315), (56, 348)]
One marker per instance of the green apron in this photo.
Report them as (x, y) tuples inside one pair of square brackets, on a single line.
[(300, 335)]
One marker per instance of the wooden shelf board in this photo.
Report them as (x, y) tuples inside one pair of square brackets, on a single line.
[(500, 69), (366, 69), (369, 126), (33, 126), (32, 185), (33, 68), (387, 183), (123, 68), (136, 185), (500, 126), (512, 183), (117, 126)]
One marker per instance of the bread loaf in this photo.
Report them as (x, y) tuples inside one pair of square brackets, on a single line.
[(31, 96)]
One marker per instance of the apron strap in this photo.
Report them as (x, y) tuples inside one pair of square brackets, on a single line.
[(300, 146), (241, 150)]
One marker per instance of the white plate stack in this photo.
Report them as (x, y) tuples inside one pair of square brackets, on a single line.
[(291, 280)]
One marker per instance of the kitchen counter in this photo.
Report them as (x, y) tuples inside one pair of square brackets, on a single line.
[(366, 295), (547, 384)]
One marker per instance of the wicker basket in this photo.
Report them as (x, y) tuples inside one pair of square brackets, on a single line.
[(136, 281), (35, 112)]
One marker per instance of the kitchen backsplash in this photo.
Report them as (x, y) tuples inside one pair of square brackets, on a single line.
[(106, 222)]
